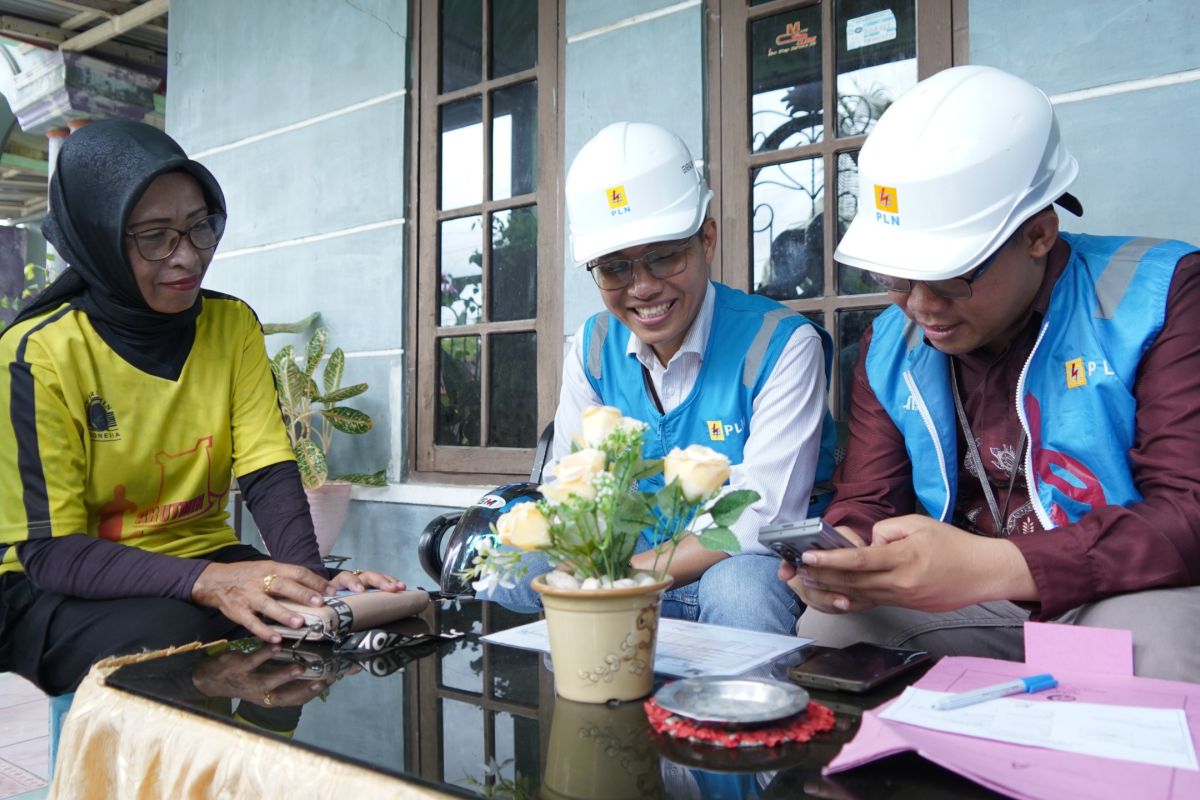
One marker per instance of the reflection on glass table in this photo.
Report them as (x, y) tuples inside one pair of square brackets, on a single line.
[(481, 720)]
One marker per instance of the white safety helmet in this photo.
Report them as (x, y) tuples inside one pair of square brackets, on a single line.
[(633, 183), (951, 171)]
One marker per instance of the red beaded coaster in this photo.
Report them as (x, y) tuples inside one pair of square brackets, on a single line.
[(815, 719)]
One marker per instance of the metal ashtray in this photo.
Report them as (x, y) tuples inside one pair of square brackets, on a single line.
[(732, 702)]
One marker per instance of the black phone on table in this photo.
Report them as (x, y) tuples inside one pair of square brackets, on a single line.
[(859, 667), (791, 539)]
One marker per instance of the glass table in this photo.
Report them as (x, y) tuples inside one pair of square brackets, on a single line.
[(473, 719)]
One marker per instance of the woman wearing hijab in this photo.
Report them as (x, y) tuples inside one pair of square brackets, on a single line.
[(129, 396)]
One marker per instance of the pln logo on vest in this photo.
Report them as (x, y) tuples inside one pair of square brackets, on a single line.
[(1078, 371), (887, 205), (618, 201), (718, 429)]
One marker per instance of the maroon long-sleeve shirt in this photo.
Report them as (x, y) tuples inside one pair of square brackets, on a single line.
[(1112, 550)]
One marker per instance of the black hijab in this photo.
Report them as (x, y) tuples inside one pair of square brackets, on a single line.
[(101, 173)]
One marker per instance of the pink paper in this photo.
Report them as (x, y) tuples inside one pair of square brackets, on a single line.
[(1031, 772), (1057, 648)]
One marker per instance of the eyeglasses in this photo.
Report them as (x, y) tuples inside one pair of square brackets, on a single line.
[(157, 244), (666, 262), (948, 289)]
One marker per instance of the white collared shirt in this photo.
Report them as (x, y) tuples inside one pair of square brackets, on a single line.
[(779, 458)]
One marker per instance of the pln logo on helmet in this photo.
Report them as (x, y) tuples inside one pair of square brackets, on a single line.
[(618, 201), (887, 205)]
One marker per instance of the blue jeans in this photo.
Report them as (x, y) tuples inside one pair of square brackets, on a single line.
[(742, 591)]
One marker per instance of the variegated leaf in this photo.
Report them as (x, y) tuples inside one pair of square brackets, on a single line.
[(362, 478), (311, 461), (348, 420), (314, 351), (299, 326), (296, 384), (334, 370), (338, 395)]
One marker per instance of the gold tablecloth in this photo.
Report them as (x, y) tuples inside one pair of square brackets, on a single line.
[(118, 745)]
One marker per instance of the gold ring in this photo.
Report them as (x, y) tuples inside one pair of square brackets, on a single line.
[(267, 699), (267, 581), (356, 572)]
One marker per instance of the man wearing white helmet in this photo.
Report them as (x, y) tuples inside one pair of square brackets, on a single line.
[(699, 362), (1033, 392)]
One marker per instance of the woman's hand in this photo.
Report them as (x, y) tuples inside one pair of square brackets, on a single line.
[(243, 590), (244, 676), (358, 580)]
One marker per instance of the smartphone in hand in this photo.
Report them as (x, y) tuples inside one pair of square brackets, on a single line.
[(791, 539)]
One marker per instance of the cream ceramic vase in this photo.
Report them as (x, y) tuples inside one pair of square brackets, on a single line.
[(600, 752), (328, 504), (602, 640)]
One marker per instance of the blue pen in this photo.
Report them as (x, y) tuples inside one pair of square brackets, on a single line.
[(1034, 683)]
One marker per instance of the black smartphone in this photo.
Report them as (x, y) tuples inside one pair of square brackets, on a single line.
[(791, 539), (859, 667)]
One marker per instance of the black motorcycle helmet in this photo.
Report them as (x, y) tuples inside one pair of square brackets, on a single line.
[(472, 526)]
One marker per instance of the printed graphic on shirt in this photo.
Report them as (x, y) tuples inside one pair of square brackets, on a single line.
[(101, 421), (122, 518), (1076, 376), (716, 430)]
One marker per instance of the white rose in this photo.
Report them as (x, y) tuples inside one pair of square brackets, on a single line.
[(598, 422), (700, 470), (524, 527), (630, 424), (574, 475)]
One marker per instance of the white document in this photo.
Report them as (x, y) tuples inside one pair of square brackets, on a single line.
[(1149, 735), (685, 649)]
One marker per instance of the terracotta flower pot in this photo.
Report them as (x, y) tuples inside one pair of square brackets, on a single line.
[(602, 641), (328, 505)]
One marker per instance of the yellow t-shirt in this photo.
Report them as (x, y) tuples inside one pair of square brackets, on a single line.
[(91, 444)]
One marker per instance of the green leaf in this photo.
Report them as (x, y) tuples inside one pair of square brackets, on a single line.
[(362, 478), (719, 538), (297, 384), (315, 350), (729, 507), (648, 469), (311, 461), (668, 501), (338, 395), (348, 420), (299, 326), (333, 370)]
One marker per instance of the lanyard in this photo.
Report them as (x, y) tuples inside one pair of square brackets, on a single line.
[(998, 516)]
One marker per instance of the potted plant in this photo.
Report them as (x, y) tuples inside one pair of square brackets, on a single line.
[(312, 414), (602, 616)]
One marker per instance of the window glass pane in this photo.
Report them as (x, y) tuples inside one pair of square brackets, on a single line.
[(512, 399), (788, 229), (850, 279), (513, 281), (514, 36), (462, 153), (786, 103), (462, 667), (514, 140), (851, 325), (461, 290), (463, 758), (461, 43), (515, 675), (458, 405), (876, 59)]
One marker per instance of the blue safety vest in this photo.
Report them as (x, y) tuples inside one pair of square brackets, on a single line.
[(1075, 395), (747, 334)]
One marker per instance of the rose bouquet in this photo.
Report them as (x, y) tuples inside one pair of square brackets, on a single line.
[(595, 510)]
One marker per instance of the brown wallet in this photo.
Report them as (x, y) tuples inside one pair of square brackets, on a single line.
[(348, 612)]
